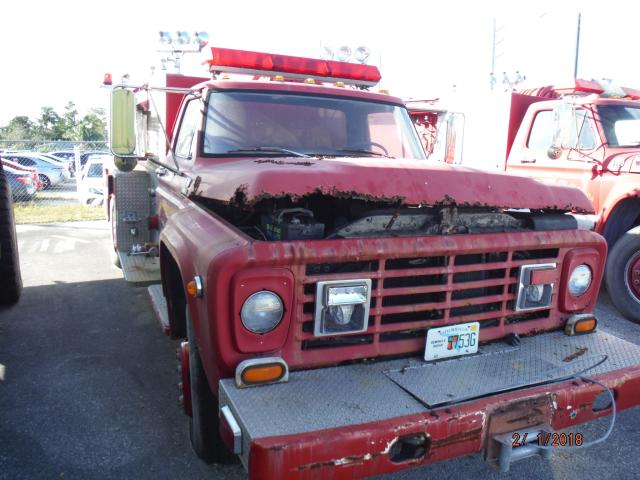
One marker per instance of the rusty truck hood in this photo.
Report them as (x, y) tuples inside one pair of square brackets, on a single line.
[(246, 181)]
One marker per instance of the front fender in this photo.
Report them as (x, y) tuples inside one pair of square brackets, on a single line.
[(194, 237)]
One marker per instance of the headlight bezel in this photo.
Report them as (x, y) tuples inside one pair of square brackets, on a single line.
[(324, 303), (593, 258), (525, 283), (244, 284)]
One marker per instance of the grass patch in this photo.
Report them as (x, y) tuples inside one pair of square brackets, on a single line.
[(56, 213)]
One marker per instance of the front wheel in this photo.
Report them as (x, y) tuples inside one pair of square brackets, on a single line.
[(203, 424), (623, 275)]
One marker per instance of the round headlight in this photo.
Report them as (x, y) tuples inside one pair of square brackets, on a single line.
[(262, 312), (580, 280)]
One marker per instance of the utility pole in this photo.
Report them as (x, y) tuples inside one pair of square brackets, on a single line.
[(494, 44), (575, 66), (493, 48)]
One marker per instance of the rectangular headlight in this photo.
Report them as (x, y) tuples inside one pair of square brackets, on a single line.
[(535, 291), (342, 306)]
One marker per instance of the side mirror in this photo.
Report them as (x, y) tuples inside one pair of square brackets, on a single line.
[(122, 138)]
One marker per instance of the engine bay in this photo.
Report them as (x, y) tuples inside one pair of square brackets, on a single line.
[(317, 217)]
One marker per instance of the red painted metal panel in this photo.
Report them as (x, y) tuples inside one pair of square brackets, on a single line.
[(519, 106), (363, 450), (413, 182)]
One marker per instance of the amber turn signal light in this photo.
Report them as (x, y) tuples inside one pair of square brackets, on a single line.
[(194, 287), (580, 324), (259, 371), (263, 374)]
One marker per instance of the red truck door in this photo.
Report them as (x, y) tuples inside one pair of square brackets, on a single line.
[(170, 184), (577, 161)]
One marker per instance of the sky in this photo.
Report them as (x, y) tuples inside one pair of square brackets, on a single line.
[(52, 52)]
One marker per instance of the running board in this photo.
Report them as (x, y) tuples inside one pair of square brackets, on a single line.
[(160, 307), (139, 268)]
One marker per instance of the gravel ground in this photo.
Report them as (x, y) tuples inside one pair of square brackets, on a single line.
[(90, 382)]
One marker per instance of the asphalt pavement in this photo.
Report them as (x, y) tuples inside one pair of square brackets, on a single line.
[(90, 382)]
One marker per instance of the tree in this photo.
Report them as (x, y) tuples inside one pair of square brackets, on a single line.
[(18, 128), (93, 126), (52, 126), (69, 122)]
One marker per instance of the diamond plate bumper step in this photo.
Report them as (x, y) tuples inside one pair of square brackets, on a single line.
[(140, 268), (357, 394)]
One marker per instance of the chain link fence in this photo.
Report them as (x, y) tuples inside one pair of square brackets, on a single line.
[(55, 181)]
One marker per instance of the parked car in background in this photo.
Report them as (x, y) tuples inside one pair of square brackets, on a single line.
[(50, 174), (10, 279), (91, 180), (32, 171), (70, 155), (58, 162), (67, 163), (20, 183)]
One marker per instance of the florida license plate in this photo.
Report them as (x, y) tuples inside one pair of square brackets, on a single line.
[(452, 341)]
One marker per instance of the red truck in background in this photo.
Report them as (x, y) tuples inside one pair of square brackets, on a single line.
[(586, 136), (347, 308)]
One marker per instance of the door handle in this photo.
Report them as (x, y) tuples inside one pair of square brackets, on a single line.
[(528, 160)]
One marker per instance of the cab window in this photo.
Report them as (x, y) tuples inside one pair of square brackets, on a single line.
[(541, 135), (578, 134), (188, 128)]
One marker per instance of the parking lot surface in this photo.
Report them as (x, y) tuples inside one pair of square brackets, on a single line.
[(90, 381)]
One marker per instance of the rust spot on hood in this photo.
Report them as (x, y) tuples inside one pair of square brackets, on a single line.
[(282, 162)]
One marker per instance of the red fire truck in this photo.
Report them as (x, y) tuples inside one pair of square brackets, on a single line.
[(587, 136), (347, 307)]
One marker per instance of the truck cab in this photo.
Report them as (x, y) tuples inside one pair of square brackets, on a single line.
[(586, 136), (321, 273), (591, 139)]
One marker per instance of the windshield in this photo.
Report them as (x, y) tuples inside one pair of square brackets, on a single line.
[(252, 123), (621, 125)]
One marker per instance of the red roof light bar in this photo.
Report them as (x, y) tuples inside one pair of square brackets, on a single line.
[(242, 61)]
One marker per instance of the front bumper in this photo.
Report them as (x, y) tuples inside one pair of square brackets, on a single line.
[(342, 422)]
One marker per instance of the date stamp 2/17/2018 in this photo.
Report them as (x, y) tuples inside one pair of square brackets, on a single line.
[(554, 439)]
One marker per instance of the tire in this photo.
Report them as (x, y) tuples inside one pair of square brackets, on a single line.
[(621, 274), (203, 424), (46, 182), (10, 278)]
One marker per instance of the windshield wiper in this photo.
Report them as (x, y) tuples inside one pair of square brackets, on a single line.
[(364, 152), (293, 153)]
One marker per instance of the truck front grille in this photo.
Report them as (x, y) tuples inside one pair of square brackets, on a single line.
[(411, 295)]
